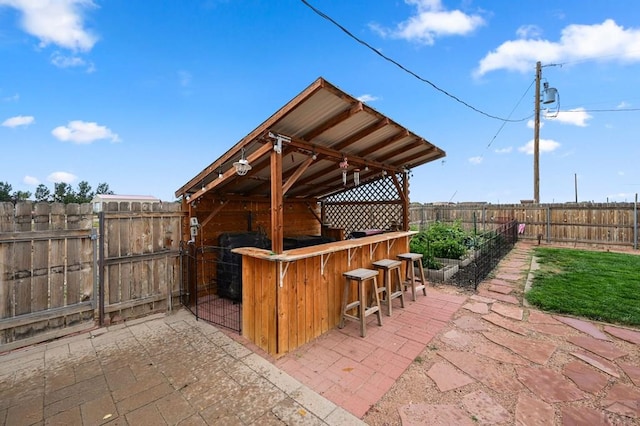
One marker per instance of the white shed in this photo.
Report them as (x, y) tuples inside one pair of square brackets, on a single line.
[(100, 199)]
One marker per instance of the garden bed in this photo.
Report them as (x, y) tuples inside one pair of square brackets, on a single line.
[(442, 274)]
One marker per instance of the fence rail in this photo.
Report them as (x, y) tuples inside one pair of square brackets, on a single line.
[(607, 224), (51, 266)]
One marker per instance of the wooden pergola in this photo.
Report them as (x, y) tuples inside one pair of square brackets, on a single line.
[(324, 158), (297, 152)]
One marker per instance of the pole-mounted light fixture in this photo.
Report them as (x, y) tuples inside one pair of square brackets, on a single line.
[(242, 166)]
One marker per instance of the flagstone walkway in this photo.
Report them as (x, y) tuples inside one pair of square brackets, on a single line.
[(481, 358)]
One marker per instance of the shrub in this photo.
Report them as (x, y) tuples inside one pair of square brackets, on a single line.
[(420, 244), (447, 240)]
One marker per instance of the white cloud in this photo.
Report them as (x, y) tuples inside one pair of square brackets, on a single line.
[(577, 117), (19, 120), (504, 150), (529, 31), (64, 61), (367, 98), (475, 160), (531, 124), (620, 173), (59, 22), (13, 98), (607, 41), (431, 21), (545, 145), (66, 177), (623, 105), (30, 180), (83, 132)]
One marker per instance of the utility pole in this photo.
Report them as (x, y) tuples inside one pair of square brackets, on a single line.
[(549, 98), (536, 138)]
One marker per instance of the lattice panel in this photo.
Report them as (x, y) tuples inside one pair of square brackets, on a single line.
[(379, 190), (355, 217), (365, 207)]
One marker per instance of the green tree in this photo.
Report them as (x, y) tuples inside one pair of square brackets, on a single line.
[(21, 196), (63, 193), (84, 194), (42, 193), (5, 191), (103, 188)]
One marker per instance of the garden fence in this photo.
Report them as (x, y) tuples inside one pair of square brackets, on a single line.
[(599, 224)]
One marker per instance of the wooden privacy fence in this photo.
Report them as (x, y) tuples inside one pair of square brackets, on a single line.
[(62, 267), (583, 223)]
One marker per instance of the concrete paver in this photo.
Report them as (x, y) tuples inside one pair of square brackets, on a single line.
[(176, 370), (160, 370)]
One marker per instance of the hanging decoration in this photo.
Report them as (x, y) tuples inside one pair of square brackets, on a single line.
[(356, 177), (344, 165)]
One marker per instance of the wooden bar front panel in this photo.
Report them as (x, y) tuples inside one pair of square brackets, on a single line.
[(289, 303)]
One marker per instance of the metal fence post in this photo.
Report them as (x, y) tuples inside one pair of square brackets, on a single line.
[(635, 223)]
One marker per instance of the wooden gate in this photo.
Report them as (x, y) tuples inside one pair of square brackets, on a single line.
[(47, 271)]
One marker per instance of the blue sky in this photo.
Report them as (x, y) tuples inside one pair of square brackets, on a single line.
[(144, 95)]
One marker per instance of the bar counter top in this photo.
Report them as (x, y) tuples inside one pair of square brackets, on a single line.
[(321, 249)]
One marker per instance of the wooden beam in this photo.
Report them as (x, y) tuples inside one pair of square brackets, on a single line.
[(328, 183), (385, 143), (335, 155), (314, 213), (296, 175), (277, 208), (311, 90), (214, 212), (265, 186), (333, 121), (362, 134), (231, 172), (399, 188), (405, 210)]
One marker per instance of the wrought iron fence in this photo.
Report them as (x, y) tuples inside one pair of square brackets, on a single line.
[(217, 300), (486, 250), (486, 256)]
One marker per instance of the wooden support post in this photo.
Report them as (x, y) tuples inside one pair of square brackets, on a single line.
[(277, 207)]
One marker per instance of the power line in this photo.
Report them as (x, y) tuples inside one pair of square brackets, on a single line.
[(512, 111), (402, 67), (602, 110)]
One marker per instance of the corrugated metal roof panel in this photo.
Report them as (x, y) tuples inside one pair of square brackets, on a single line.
[(326, 122)]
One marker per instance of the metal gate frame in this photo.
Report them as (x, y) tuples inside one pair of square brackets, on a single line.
[(200, 296)]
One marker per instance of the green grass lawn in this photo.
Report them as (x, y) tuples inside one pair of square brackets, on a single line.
[(602, 286)]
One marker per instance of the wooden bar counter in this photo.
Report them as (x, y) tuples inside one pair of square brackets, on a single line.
[(290, 299)]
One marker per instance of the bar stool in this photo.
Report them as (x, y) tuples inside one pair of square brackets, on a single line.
[(362, 276), (414, 260), (389, 268)]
